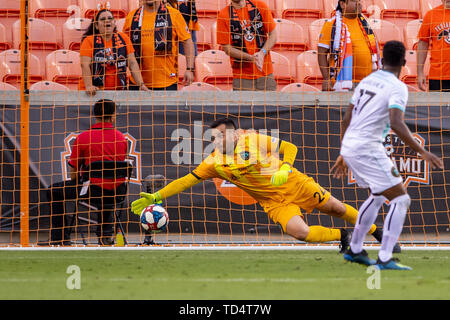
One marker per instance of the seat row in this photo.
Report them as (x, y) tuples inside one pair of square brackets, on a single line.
[(291, 37), (45, 85), (210, 8), (211, 66), (303, 12)]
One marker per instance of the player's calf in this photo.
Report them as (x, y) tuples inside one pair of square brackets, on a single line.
[(393, 225)]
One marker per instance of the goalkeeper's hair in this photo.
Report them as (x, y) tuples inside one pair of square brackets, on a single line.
[(104, 108), (394, 53), (229, 123)]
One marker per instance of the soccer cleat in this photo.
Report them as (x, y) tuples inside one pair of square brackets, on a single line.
[(361, 258), (391, 264), (345, 240), (378, 235), (397, 248)]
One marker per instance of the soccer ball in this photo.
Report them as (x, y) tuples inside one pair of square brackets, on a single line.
[(154, 218)]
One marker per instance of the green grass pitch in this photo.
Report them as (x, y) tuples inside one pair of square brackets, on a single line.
[(222, 274)]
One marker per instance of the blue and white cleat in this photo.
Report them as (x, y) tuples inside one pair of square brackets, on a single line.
[(392, 264), (361, 258)]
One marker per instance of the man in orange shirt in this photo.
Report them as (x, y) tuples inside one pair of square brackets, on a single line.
[(347, 50), (155, 31), (435, 31), (246, 31)]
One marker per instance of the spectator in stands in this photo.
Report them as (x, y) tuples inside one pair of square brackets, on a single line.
[(155, 30), (100, 143), (189, 12), (434, 34), (343, 66), (105, 55), (246, 31)]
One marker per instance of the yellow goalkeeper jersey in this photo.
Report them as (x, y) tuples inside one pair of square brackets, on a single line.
[(251, 167)]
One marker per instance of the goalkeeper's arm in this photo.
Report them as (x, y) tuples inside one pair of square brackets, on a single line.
[(173, 188), (289, 152)]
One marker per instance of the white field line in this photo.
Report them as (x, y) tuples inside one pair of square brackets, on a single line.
[(211, 248)]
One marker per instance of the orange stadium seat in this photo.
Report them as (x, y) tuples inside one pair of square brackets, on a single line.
[(409, 71), (207, 11), (314, 30), (200, 86), (308, 70), (427, 5), (54, 11), (410, 34), (291, 40), (7, 86), (42, 38), (273, 8), (73, 30), (282, 70), (385, 31), (4, 43), (208, 8), (48, 85), (133, 4), (9, 13), (299, 87), (119, 8), (10, 68), (204, 39), (214, 67), (214, 44), (302, 12), (413, 88), (63, 66), (398, 12)]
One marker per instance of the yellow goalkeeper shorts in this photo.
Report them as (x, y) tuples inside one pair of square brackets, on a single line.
[(309, 197)]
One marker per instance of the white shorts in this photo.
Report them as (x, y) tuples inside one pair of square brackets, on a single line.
[(375, 172)]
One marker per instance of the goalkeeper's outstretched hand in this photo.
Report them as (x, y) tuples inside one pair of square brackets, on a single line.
[(281, 176), (146, 199)]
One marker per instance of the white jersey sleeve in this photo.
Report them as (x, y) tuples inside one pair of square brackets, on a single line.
[(398, 98)]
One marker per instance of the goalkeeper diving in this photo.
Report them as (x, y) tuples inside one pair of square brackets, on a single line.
[(250, 161)]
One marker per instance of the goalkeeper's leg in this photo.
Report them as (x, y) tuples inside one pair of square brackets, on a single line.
[(313, 196), (290, 219), (336, 208)]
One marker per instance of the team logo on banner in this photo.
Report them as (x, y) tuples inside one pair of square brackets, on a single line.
[(407, 163), (233, 193), (133, 156)]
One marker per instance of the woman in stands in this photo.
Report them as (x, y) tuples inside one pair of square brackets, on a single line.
[(105, 55)]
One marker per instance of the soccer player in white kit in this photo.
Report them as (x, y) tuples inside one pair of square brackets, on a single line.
[(378, 105)]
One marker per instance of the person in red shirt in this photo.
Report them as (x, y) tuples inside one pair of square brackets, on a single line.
[(102, 142), (246, 31), (434, 35), (105, 55)]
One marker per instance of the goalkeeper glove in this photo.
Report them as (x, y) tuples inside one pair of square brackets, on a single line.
[(281, 176), (145, 200)]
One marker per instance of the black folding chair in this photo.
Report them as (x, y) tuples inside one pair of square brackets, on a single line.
[(106, 170)]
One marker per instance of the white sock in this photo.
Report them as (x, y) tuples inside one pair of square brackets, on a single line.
[(393, 225), (366, 217)]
